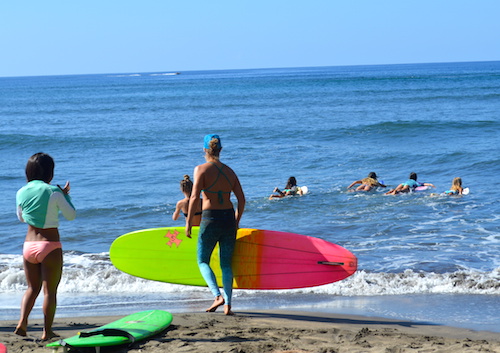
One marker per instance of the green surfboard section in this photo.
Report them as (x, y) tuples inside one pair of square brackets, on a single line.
[(127, 330)]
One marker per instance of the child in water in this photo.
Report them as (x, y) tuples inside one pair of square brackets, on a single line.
[(290, 189), (409, 185), (456, 187), (367, 183), (183, 205)]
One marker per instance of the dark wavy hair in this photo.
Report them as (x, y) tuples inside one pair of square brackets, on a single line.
[(40, 166), (291, 183)]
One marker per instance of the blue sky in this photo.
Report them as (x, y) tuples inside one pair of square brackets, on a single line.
[(108, 36)]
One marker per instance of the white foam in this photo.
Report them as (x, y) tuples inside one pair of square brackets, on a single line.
[(166, 74), (94, 273), (125, 75), (410, 282)]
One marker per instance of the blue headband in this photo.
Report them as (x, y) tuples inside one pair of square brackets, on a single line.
[(209, 138)]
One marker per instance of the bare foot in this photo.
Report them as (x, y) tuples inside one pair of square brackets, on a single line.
[(20, 331), (49, 335), (227, 310), (217, 302)]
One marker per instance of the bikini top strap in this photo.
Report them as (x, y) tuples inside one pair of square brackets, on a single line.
[(223, 174), (220, 192), (216, 179)]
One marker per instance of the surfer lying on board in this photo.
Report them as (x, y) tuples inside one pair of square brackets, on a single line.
[(183, 205), (456, 187), (367, 183), (290, 189), (410, 185), (219, 221), (38, 205)]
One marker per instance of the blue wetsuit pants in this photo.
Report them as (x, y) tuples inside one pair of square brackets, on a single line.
[(217, 226)]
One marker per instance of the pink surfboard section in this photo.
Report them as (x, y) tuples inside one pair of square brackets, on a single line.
[(266, 259)]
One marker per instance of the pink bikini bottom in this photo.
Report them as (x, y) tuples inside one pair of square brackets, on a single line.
[(36, 251)]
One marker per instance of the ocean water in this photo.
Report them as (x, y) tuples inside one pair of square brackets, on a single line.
[(125, 141)]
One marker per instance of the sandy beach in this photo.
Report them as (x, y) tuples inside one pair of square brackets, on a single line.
[(274, 331)]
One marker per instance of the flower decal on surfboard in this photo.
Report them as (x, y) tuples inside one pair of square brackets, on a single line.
[(172, 236)]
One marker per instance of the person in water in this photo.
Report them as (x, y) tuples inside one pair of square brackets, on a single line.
[(367, 183), (456, 187), (290, 189), (219, 221), (38, 205), (183, 205), (410, 185)]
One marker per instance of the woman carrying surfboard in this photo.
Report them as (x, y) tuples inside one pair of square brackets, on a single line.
[(219, 221)]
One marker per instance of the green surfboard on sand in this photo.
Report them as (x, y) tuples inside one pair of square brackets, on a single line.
[(126, 330)]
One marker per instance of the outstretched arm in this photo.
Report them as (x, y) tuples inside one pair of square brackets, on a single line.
[(354, 183)]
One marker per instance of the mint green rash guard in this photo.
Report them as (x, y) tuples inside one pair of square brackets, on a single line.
[(39, 203)]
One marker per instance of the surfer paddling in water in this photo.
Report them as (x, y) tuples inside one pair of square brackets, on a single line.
[(456, 187), (219, 221), (368, 183), (38, 205), (410, 185), (290, 189)]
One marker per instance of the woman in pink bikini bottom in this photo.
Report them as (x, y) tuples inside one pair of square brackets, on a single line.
[(38, 205), (36, 251)]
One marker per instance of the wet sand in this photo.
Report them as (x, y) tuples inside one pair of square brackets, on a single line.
[(276, 331)]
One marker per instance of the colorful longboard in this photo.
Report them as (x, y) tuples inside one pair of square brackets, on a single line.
[(263, 259), (129, 329)]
